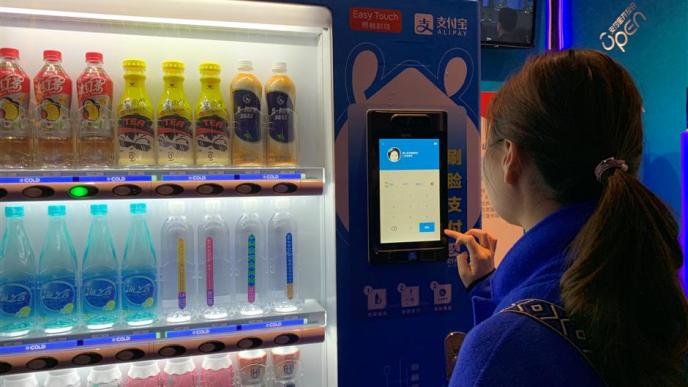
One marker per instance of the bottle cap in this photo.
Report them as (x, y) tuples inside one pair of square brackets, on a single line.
[(21, 380), (282, 203), (279, 67), (57, 210), (216, 361), (104, 374), (213, 207), (98, 209), (173, 66), (52, 55), (210, 68), (11, 53), (179, 366), (143, 370), (63, 378), (137, 208), (176, 207), (250, 205), (286, 351), (134, 64), (14, 212), (245, 65), (255, 355), (94, 57)]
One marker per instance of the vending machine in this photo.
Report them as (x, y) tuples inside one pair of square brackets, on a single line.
[(207, 192)]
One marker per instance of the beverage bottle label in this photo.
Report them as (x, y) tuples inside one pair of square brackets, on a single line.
[(247, 115), (281, 116)]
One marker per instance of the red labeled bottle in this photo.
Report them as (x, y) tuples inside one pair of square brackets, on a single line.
[(96, 137), (15, 131)]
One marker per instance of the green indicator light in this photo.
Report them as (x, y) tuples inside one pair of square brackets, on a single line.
[(78, 192)]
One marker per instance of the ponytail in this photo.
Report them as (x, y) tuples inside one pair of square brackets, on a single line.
[(622, 287)]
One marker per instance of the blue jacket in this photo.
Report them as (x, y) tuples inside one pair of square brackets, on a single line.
[(510, 349)]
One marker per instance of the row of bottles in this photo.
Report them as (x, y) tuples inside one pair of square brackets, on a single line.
[(58, 292), (255, 368), (173, 135)]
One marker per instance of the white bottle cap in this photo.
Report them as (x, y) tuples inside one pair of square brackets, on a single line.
[(179, 366), (63, 378), (254, 354), (282, 204), (286, 351), (250, 205), (21, 380), (279, 67), (213, 207), (104, 374), (245, 65), (217, 361), (176, 207), (143, 370)]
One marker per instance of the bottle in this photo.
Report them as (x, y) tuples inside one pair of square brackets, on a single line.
[(280, 95), (63, 378), (143, 374), (177, 265), (180, 372), (282, 258), (53, 92), (245, 92), (57, 276), (20, 380), (104, 376), (139, 271), (17, 277), (217, 370), (175, 133), (96, 146), (135, 118), (212, 137), (214, 263), (99, 291), (250, 256), (285, 361), (252, 367), (15, 132)]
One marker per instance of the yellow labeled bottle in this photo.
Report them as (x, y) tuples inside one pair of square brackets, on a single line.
[(245, 91), (212, 137), (280, 95), (135, 118), (175, 133)]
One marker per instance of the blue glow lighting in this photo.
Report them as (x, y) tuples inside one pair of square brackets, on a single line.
[(272, 324), (119, 339), (201, 331)]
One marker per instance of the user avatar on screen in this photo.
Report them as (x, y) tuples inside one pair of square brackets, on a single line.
[(393, 154)]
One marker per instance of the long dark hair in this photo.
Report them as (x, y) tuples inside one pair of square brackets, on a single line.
[(570, 110)]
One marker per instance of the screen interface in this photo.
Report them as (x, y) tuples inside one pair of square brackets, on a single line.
[(409, 190)]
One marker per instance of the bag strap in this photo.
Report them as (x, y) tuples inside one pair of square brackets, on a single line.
[(555, 318)]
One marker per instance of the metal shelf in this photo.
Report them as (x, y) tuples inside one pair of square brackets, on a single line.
[(108, 184), (42, 352)]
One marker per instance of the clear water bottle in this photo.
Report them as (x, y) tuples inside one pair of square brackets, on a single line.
[(17, 277), (57, 276), (177, 266), (99, 295), (251, 267), (139, 272), (214, 263), (283, 261)]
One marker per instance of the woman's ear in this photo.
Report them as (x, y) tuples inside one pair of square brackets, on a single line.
[(512, 162)]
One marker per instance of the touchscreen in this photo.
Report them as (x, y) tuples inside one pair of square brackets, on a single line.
[(409, 190)]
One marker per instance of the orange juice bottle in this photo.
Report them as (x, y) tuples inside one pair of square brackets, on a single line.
[(175, 132), (280, 94), (212, 135), (135, 118), (245, 91)]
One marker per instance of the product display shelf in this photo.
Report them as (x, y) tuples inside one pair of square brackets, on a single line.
[(33, 185), (38, 351)]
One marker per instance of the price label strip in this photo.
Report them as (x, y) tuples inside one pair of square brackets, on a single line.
[(201, 331), (121, 339)]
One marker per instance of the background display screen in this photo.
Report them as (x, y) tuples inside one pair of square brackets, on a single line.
[(409, 190)]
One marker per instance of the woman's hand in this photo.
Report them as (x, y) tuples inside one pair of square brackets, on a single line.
[(479, 260)]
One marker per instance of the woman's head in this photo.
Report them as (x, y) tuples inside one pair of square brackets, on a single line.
[(549, 127)]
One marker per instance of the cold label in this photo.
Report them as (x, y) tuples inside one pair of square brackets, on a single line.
[(281, 116), (15, 300), (175, 132), (58, 296), (212, 134), (247, 115), (139, 290), (135, 132), (100, 293)]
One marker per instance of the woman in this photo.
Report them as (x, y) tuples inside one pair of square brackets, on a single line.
[(565, 142)]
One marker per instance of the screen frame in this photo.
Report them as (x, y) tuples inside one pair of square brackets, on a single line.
[(385, 124), (498, 44)]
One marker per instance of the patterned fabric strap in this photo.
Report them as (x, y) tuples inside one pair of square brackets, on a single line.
[(554, 317)]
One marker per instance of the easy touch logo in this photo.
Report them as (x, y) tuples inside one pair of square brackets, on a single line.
[(625, 26)]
